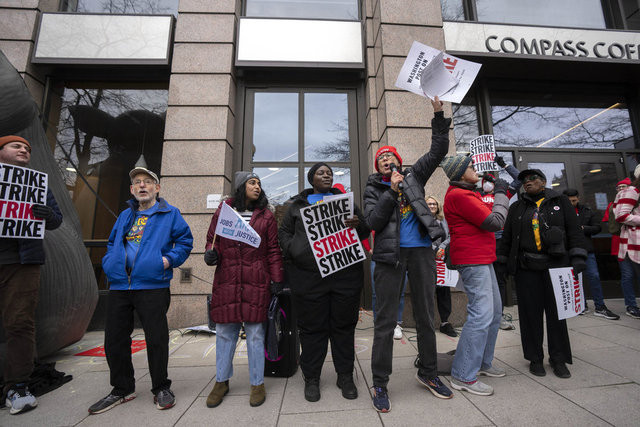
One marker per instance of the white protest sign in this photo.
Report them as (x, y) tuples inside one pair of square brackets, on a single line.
[(444, 276), (420, 55), (483, 153), (338, 196), (435, 79), (21, 188), (232, 226), (334, 245), (568, 291)]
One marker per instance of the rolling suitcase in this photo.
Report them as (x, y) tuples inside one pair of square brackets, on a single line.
[(282, 326)]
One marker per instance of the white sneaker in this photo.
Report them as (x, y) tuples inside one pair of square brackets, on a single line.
[(397, 332)]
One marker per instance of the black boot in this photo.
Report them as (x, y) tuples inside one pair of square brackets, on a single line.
[(346, 384), (312, 389)]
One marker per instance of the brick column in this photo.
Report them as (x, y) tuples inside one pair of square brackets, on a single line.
[(198, 148)]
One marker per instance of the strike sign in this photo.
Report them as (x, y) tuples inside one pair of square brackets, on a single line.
[(334, 245), (232, 226), (444, 276), (567, 288), (483, 153), (21, 188)]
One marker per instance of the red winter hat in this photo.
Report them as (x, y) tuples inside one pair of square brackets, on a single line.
[(13, 138), (625, 181), (388, 149)]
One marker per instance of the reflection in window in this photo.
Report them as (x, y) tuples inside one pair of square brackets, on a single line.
[(137, 7), (279, 184), (326, 127), (556, 174), (562, 127), (598, 184), (275, 128), (555, 13), (315, 9), (452, 10), (508, 158), (465, 124), (631, 12)]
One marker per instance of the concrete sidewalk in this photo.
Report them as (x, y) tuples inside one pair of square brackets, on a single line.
[(604, 388)]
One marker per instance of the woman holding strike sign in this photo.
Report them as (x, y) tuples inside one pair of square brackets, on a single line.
[(241, 286), (327, 307)]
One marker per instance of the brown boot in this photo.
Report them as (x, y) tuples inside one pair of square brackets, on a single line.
[(258, 395), (216, 395)]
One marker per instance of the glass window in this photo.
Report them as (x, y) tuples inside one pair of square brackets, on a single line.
[(318, 9), (145, 7), (452, 10), (554, 13), (279, 184), (326, 127), (100, 135), (631, 12), (465, 123), (275, 127)]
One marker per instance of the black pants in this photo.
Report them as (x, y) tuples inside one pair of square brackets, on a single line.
[(151, 306), (388, 279), (327, 311), (535, 298), (501, 276), (443, 300)]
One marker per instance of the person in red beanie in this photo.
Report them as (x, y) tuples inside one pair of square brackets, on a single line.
[(395, 208), (20, 261)]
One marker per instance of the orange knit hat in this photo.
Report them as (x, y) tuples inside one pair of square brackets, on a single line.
[(13, 138)]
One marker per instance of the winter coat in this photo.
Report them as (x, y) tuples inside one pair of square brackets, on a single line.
[(512, 190), (627, 212), (471, 225), (166, 234), (297, 251), (590, 223), (381, 207), (241, 284), (31, 251), (555, 210)]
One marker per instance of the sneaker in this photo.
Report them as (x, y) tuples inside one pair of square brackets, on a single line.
[(560, 369), (109, 402), (312, 389), (505, 322), (258, 395), (381, 399), (493, 371), (348, 387), (473, 387), (606, 313), (447, 329), (633, 312), (164, 399), (537, 368), (435, 386), (20, 399), (397, 332), (586, 309), (217, 393)]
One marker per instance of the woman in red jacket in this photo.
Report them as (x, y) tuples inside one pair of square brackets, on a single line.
[(241, 286)]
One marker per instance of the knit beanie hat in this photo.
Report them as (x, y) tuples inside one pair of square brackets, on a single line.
[(625, 181), (314, 169), (241, 177), (13, 138), (388, 149), (455, 166)]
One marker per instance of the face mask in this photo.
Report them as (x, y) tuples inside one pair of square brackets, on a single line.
[(487, 186)]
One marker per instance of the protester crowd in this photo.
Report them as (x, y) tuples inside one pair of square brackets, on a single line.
[(474, 231)]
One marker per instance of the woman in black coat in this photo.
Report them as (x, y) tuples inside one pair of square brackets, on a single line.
[(541, 232), (327, 308)]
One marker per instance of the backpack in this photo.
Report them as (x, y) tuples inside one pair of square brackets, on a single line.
[(613, 226)]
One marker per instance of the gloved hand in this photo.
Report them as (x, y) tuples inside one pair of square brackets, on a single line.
[(211, 257), (579, 264), (500, 161), (276, 288), (500, 186), (42, 212)]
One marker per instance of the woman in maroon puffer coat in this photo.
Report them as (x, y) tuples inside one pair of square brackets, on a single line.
[(241, 286)]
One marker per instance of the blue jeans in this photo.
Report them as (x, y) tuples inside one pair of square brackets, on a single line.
[(480, 331), (373, 296), (227, 335), (626, 281), (593, 277)]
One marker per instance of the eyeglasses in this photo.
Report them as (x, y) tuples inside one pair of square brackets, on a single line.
[(621, 187), (385, 156), (146, 181), (531, 178)]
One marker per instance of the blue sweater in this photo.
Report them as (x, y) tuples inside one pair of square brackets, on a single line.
[(166, 235)]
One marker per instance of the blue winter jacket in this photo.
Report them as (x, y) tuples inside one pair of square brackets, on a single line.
[(165, 235)]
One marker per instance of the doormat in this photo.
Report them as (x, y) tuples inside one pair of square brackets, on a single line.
[(136, 346)]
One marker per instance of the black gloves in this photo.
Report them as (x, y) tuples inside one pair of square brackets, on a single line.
[(42, 212), (211, 257), (500, 161), (277, 288), (500, 186), (579, 264)]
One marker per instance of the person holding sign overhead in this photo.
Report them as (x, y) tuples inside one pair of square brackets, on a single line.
[(248, 271), (20, 261), (326, 277), (395, 207), (541, 232)]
